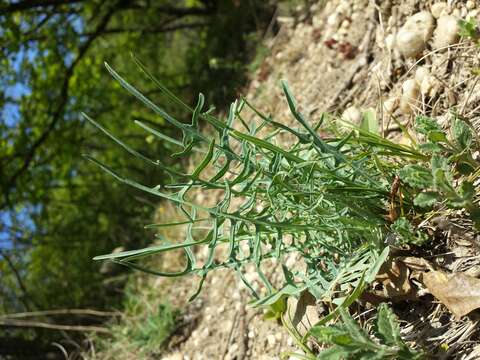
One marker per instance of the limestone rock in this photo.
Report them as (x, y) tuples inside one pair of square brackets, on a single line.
[(412, 37)]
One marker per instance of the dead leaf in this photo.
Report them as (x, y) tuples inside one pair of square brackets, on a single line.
[(460, 293), (394, 278), (416, 264), (303, 312)]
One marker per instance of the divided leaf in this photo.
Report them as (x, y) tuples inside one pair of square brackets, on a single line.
[(460, 293), (387, 326)]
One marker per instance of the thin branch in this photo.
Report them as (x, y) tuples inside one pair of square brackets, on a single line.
[(20, 283), (43, 325), (29, 5), (170, 10), (162, 29), (89, 312)]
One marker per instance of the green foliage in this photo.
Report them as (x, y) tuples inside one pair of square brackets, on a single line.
[(442, 179), (149, 334), (328, 196), (146, 323), (348, 340), (469, 29), (406, 234), (369, 121), (62, 213)]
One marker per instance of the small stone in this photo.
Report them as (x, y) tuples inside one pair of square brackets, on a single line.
[(438, 8), (390, 105), (421, 73), (174, 356), (332, 19), (413, 35), (472, 14), (271, 340), (470, 5), (233, 349), (410, 95), (446, 32), (345, 24), (429, 86), (352, 114), (390, 41)]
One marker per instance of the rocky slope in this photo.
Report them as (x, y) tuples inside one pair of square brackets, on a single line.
[(401, 58)]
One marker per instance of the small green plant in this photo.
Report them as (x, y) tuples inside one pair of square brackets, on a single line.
[(328, 196), (348, 340), (446, 178), (469, 29), (145, 327), (337, 201)]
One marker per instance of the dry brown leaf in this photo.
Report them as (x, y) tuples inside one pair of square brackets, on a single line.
[(303, 312), (394, 278), (415, 263), (460, 293)]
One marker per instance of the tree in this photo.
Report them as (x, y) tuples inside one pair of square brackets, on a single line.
[(57, 211)]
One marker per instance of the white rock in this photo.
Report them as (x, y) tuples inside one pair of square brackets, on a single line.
[(390, 105), (271, 340), (332, 19), (414, 34), (470, 5), (410, 95), (438, 8), (390, 41), (345, 24), (446, 32), (472, 14), (174, 356), (429, 86), (421, 73), (352, 114)]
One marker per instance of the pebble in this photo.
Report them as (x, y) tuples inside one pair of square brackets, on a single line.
[(390, 41), (352, 114), (390, 105), (174, 356), (438, 9), (446, 32), (421, 73), (429, 86), (271, 340), (470, 5), (413, 35), (410, 94), (472, 14)]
